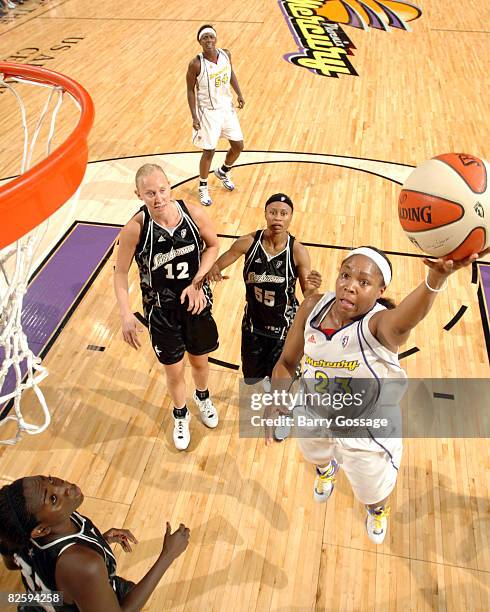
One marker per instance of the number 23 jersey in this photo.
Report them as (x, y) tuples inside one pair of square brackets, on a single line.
[(352, 361)]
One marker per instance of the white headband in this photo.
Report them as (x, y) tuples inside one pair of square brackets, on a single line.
[(378, 259), (207, 31)]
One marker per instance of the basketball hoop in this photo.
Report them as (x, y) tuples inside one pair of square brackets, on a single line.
[(25, 203)]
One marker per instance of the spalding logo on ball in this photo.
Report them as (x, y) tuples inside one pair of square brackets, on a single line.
[(444, 206)]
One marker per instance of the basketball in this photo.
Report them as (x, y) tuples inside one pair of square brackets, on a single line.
[(444, 206)]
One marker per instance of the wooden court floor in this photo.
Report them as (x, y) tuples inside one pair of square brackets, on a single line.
[(339, 147)]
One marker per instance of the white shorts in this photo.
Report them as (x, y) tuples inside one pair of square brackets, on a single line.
[(371, 469), (216, 124)]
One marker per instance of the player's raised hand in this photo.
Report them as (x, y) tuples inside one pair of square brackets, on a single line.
[(445, 267), (130, 330), (196, 297), (175, 543)]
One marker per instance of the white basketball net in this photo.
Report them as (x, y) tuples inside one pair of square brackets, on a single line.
[(16, 267)]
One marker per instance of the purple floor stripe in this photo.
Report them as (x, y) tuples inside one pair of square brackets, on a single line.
[(485, 279), (57, 286)]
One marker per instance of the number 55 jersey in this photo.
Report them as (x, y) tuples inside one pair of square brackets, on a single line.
[(270, 283)]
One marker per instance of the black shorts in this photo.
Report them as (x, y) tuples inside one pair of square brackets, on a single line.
[(260, 354), (175, 331)]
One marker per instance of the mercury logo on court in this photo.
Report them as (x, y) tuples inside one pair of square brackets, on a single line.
[(324, 47), (420, 213)]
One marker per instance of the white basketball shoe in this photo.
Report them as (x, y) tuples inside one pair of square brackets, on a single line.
[(182, 435), (377, 523), (325, 482), (209, 414), (225, 178), (204, 196)]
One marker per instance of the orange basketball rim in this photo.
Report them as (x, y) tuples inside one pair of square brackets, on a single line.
[(29, 199)]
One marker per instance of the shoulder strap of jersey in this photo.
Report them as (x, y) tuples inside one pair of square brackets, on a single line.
[(374, 345), (257, 237), (321, 307), (186, 213), (253, 246), (144, 229), (194, 227), (292, 263), (225, 54)]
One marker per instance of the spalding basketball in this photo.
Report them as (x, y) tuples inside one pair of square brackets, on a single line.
[(444, 206)]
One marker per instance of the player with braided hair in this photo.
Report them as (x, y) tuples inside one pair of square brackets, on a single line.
[(58, 549)]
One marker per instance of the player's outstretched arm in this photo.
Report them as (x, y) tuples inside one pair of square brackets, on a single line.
[(82, 575), (392, 327), (309, 280), (237, 249), (128, 239), (234, 82)]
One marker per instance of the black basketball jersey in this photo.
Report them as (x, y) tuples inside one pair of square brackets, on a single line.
[(168, 259), (37, 562), (270, 283)]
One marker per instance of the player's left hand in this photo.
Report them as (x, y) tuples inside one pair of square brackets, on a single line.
[(241, 102), (196, 297), (120, 536), (314, 279)]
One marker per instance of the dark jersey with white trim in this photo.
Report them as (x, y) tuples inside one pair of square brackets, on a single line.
[(168, 259), (270, 282), (37, 562)]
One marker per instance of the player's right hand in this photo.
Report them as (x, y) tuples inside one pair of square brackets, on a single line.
[(196, 297), (196, 124), (175, 543), (130, 330), (215, 275)]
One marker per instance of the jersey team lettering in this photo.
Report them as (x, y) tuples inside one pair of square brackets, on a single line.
[(223, 73), (252, 277), (349, 365), (162, 258)]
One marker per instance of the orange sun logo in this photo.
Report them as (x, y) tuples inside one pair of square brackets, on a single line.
[(365, 14)]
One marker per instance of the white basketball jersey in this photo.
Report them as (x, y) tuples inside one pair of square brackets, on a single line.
[(352, 361), (351, 351), (213, 82)]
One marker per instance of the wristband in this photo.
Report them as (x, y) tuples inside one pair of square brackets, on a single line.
[(444, 286)]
